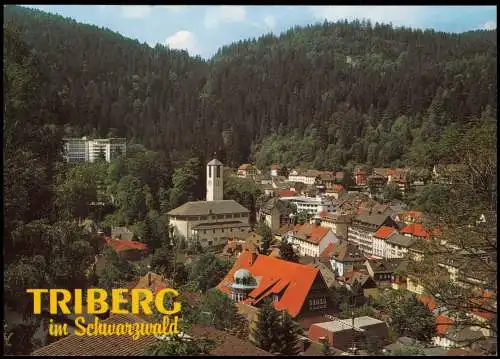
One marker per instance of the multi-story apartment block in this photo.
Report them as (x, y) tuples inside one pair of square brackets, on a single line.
[(364, 227), (76, 150), (312, 205), (89, 150)]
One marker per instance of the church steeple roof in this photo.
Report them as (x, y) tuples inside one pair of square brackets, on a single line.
[(215, 162)]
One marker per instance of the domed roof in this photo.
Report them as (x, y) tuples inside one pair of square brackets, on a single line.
[(242, 274)]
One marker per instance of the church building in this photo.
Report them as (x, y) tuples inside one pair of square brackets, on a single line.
[(215, 220)]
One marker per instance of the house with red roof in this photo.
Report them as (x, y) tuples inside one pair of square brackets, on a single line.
[(299, 289), (311, 239), (247, 170), (415, 230), (130, 250), (450, 334)]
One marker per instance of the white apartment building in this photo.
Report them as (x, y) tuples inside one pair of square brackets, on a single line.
[(312, 205), (311, 239), (76, 150), (89, 150), (363, 229)]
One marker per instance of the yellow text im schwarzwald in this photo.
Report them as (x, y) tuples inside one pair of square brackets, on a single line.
[(141, 301)]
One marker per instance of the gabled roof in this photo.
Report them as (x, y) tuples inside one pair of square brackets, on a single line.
[(203, 208), (295, 279), (328, 250), (400, 240), (275, 167), (346, 252), (384, 232), (309, 232), (383, 265), (373, 219), (120, 245)]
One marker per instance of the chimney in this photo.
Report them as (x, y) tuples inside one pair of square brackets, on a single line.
[(149, 279)]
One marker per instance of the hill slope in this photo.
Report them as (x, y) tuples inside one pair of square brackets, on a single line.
[(345, 91)]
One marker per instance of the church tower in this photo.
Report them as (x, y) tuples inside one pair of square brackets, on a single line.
[(214, 180)]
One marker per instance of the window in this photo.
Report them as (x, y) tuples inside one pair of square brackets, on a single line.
[(209, 243), (222, 230), (218, 171), (209, 171), (213, 230), (204, 231)]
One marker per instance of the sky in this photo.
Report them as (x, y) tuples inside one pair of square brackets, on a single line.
[(202, 30)]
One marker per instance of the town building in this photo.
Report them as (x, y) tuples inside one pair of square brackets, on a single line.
[(214, 221), (337, 222), (310, 176), (311, 239), (275, 213), (89, 150), (379, 240), (345, 255), (360, 177), (311, 205), (298, 289), (247, 171), (275, 170), (397, 245), (364, 227), (382, 270), (343, 333)]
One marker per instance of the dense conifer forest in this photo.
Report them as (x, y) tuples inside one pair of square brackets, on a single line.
[(344, 92)]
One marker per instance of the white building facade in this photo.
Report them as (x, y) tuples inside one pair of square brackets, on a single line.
[(311, 239), (312, 205), (88, 150)]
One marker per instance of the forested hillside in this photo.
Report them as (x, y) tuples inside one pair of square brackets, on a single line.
[(347, 92)]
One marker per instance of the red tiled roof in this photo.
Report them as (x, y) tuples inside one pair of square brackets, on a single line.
[(428, 301), (275, 167), (443, 323), (384, 232), (309, 232), (275, 274), (327, 251), (120, 245), (415, 229), (287, 193)]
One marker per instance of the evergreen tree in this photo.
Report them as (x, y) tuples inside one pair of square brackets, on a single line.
[(288, 340), (267, 237), (267, 327), (287, 253)]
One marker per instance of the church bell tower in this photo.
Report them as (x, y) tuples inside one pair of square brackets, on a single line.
[(214, 180)]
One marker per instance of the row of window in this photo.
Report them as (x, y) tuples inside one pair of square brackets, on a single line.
[(317, 304), (222, 230)]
